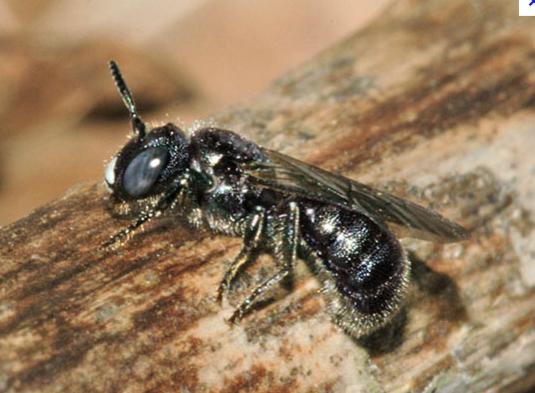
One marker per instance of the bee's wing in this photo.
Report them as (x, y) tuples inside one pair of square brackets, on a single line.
[(286, 174)]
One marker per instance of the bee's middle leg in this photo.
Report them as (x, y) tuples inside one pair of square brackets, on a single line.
[(290, 241), (254, 229)]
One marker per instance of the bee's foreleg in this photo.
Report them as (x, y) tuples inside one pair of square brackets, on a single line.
[(120, 236), (254, 228), (162, 204), (290, 241)]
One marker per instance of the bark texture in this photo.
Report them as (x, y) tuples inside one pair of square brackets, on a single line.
[(434, 100)]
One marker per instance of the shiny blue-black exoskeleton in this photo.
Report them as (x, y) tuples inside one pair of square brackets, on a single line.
[(277, 205)]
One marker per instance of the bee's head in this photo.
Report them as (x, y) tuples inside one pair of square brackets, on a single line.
[(148, 164)]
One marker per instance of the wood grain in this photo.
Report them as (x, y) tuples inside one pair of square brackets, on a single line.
[(436, 101)]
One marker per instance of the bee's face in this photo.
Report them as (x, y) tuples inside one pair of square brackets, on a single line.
[(146, 166)]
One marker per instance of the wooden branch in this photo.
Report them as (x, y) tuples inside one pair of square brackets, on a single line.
[(436, 94)]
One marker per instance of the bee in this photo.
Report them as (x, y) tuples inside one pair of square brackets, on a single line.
[(278, 205)]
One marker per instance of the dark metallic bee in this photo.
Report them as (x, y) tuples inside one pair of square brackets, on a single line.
[(278, 205)]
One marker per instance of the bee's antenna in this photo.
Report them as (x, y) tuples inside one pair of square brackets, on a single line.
[(138, 126)]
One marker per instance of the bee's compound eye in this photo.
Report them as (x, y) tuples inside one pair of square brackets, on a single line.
[(109, 174), (143, 171)]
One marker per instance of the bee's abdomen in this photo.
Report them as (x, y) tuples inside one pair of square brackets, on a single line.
[(364, 260)]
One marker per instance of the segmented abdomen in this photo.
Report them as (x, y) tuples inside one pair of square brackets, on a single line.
[(365, 261)]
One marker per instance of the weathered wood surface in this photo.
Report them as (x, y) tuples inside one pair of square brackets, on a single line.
[(436, 94)]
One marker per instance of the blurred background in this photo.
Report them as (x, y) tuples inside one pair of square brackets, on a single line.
[(60, 116)]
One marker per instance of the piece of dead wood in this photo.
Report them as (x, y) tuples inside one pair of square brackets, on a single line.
[(438, 95)]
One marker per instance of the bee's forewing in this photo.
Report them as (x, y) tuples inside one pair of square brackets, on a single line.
[(286, 174)]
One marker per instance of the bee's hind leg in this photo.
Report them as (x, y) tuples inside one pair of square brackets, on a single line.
[(254, 229), (290, 241)]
